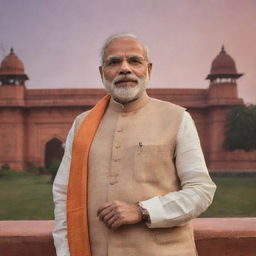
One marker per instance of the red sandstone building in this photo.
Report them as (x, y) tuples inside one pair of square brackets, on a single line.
[(34, 123)]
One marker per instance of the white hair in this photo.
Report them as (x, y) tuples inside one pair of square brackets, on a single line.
[(120, 35)]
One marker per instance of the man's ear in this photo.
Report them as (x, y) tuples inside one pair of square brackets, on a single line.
[(149, 69), (101, 72)]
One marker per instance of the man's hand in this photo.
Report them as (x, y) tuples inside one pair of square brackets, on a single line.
[(116, 213)]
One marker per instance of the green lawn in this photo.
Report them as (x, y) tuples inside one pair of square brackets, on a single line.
[(235, 197), (25, 196)]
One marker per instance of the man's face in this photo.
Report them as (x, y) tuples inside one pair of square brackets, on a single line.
[(125, 70)]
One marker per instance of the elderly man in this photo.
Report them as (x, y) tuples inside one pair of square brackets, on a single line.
[(133, 174)]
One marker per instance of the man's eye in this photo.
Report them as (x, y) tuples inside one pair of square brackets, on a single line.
[(135, 61), (113, 62)]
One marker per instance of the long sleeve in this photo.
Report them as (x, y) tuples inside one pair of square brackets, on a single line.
[(176, 208), (59, 196)]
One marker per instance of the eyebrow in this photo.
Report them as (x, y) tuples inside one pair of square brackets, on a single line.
[(119, 57)]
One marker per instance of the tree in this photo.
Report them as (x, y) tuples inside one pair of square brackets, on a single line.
[(241, 128)]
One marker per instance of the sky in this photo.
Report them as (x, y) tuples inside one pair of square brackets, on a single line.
[(59, 40)]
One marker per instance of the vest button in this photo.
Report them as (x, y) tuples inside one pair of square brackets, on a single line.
[(119, 130), (117, 146), (113, 181), (116, 160)]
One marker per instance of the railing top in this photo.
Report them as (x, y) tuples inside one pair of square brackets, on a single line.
[(26, 228), (224, 227), (204, 227)]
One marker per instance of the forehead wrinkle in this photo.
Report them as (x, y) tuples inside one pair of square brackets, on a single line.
[(125, 38), (136, 55), (112, 57), (115, 47)]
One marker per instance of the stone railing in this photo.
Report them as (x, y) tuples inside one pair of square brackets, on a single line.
[(214, 237)]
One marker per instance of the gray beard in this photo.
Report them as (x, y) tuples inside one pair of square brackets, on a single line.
[(125, 94)]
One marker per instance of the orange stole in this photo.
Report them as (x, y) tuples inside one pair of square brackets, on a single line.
[(77, 199)]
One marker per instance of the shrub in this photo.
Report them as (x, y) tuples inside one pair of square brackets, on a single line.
[(241, 128), (31, 168), (35, 169), (4, 168)]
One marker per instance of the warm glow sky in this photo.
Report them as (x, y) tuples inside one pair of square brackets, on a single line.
[(59, 40)]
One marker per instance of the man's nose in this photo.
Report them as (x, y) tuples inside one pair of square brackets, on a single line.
[(125, 68)]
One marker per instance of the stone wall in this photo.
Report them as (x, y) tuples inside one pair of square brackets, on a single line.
[(29, 119), (214, 237)]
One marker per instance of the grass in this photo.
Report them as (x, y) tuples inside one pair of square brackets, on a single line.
[(25, 196), (235, 197)]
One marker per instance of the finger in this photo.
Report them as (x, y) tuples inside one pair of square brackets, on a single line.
[(108, 216), (104, 206), (117, 223), (112, 220), (105, 212)]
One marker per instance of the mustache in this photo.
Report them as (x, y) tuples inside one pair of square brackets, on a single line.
[(125, 78)]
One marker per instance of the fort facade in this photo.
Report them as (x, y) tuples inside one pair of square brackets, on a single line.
[(34, 122)]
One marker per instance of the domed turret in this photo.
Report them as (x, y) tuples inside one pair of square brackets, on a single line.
[(223, 69), (12, 70)]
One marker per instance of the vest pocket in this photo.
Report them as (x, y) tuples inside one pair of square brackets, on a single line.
[(151, 163)]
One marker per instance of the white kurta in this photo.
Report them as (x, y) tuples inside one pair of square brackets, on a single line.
[(169, 210)]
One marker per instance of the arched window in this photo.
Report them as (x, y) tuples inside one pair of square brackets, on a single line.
[(53, 151)]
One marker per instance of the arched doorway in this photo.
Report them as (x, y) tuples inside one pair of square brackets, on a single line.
[(54, 151)]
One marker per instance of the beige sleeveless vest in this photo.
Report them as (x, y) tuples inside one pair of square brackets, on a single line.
[(131, 160)]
